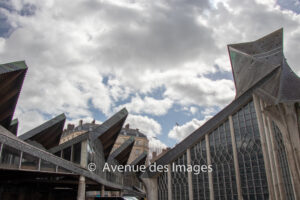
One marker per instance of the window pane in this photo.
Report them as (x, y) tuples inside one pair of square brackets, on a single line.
[(77, 153), (47, 166), (67, 153), (10, 157), (58, 153), (29, 162)]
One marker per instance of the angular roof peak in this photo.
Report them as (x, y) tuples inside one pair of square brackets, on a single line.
[(48, 134), (11, 80), (252, 61)]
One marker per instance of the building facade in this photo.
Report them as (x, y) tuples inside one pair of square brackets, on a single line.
[(252, 144), (141, 144), (49, 163)]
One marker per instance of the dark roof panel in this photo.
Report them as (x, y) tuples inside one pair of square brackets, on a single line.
[(11, 80), (13, 128), (47, 134), (122, 153), (108, 131), (140, 160)]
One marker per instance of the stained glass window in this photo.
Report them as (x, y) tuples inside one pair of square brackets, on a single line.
[(200, 181), (162, 182), (250, 157), (224, 179), (180, 179), (283, 163)]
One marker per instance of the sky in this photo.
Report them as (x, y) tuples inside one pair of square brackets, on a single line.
[(166, 61)]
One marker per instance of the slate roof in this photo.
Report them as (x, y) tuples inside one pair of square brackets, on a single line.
[(11, 80), (48, 134), (122, 153)]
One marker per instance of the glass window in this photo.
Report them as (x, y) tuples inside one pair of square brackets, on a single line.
[(250, 157), (162, 188), (58, 153), (200, 181), (179, 182), (77, 153), (222, 162), (29, 162), (137, 152), (283, 163), (67, 153), (10, 157), (47, 166)]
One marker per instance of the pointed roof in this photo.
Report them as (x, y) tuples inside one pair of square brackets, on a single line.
[(140, 160), (122, 153), (48, 134), (108, 131), (252, 61), (11, 80)]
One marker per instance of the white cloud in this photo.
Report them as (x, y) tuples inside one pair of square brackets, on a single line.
[(193, 110), (155, 145), (146, 125), (208, 111), (147, 105), (180, 132), (140, 46)]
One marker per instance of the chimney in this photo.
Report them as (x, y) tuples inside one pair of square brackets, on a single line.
[(70, 127), (94, 121), (154, 154), (80, 122), (127, 126)]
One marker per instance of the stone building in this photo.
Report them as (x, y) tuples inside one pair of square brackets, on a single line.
[(141, 144), (252, 144), (41, 164)]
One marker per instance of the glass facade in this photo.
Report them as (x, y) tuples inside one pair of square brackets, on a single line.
[(283, 163), (162, 189), (29, 162), (10, 157), (224, 179), (250, 156), (76, 153), (200, 181), (67, 153), (179, 180), (47, 166)]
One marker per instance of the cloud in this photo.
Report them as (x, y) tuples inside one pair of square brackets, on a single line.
[(88, 57), (148, 105), (150, 128), (180, 132), (146, 125), (193, 110), (156, 145)]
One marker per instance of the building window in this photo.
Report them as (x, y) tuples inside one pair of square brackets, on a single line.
[(58, 154), (179, 180), (137, 152), (10, 157), (162, 188), (77, 153), (224, 179), (250, 157), (284, 167), (47, 166), (29, 162), (67, 153), (200, 181)]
